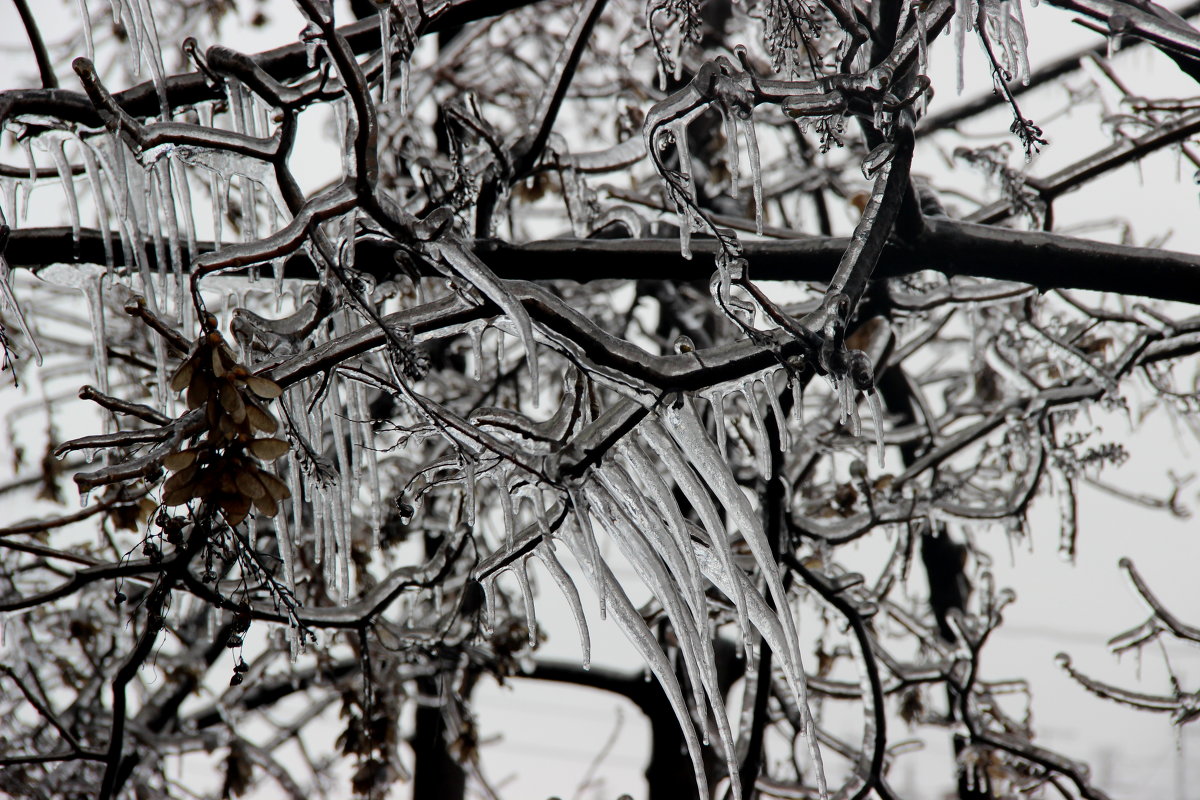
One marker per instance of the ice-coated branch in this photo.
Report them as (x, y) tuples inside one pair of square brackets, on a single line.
[(45, 66), (954, 247), (1177, 627), (1179, 704), (1093, 166), (875, 729)]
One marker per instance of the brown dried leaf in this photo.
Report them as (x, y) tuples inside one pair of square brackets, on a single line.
[(275, 487), (268, 449), (235, 508), (181, 478), (181, 486), (177, 497), (180, 460), (219, 363), (183, 375), (249, 484), (267, 505), (260, 419), (265, 388), (231, 401)]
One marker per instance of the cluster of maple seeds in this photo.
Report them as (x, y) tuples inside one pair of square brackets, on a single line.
[(224, 468)]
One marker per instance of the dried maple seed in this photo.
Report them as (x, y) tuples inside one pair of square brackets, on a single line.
[(263, 387), (177, 461)]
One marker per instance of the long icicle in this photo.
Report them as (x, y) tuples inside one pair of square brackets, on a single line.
[(567, 586), (630, 621), (697, 650)]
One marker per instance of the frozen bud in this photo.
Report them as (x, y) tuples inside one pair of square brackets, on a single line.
[(858, 469), (861, 370), (684, 344), (848, 581), (877, 158)]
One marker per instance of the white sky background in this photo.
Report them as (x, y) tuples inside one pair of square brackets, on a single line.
[(541, 738)]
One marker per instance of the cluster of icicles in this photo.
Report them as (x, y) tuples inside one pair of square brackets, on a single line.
[(630, 497)]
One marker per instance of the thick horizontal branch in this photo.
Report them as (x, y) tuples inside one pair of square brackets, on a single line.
[(1044, 260)]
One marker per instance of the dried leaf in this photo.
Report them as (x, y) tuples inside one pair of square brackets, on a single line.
[(250, 485), (275, 487), (183, 375), (179, 480), (180, 460), (268, 449), (267, 505), (231, 401), (260, 419), (263, 387), (198, 391), (222, 360), (235, 508)]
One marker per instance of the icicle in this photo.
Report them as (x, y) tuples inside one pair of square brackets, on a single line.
[(877, 421), (567, 587), (475, 331), (734, 157), (716, 399), (797, 400), (590, 552), (10, 299), (964, 13), (92, 168), (922, 56), (747, 126), (506, 506), (135, 217), (580, 204), (489, 619), (153, 53), (470, 488), (482, 278), (366, 447), (294, 643), (631, 622), (297, 501), (347, 466), (521, 570), (21, 209), (762, 449), (767, 623), (286, 554), (846, 394), (632, 504), (154, 227), (649, 481), (768, 381), (8, 200), (385, 35), (218, 189), (93, 291), (679, 132), (699, 449), (89, 47), (696, 649), (58, 153), (691, 486), (162, 174)]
